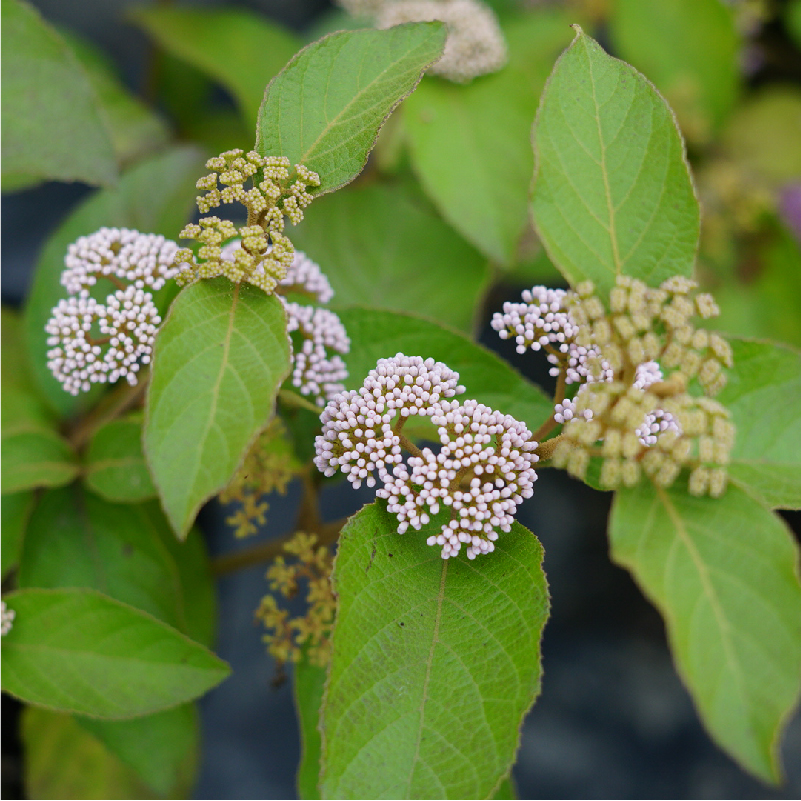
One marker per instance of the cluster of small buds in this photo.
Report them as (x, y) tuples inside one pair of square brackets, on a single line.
[(358, 436), (306, 278), (482, 472), (96, 343), (311, 632), (314, 371), (644, 419), (143, 260), (475, 44), (6, 618), (264, 254)]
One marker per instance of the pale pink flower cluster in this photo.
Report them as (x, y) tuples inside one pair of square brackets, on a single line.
[(6, 618), (657, 421)]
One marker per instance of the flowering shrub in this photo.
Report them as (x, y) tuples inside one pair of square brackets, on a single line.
[(145, 379)]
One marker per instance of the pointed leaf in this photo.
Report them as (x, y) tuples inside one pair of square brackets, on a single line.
[(724, 575), (766, 460), (368, 242), (36, 459), (240, 49), (326, 106), (218, 362), (612, 190), (53, 126), (309, 683), (435, 663), (76, 650)]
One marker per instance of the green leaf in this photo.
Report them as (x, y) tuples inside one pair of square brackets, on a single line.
[(53, 126), (506, 790), (378, 245), (435, 662), (724, 575), (135, 129), (764, 396), (218, 362), (76, 539), (76, 650), (62, 760), (35, 458), (115, 464), (309, 684), (16, 508), (379, 335), (162, 748), (240, 49), (154, 197), (690, 49), (792, 17), (612, 190), (325, 108), (477, 174)]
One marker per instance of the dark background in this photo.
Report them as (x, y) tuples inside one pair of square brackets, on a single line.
[(613, 721)]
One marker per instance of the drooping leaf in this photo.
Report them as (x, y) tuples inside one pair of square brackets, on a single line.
[(379, 335), (77, 650), (380, 246), (309, 683), (218, 362), (53, 127), (62, 760), (764, 396), (162, 748), (724, 575), (324, 109), (479, 174), (434, 663), (612, 191), (115, 464), (135, 129), (690, 50), (154, 197), (15, 508), (240, 49)]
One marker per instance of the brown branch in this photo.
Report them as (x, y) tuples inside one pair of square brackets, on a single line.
[(406, 443), (546, 449)]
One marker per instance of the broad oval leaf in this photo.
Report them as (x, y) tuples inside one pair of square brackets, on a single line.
[(240, 49), (326, 106), (309, 683), (479, 174), (154, 197), (53, 127), (15, 508), (766, 459), (378, 245), (218, 362), (435, 662), (378, 335), (690, 49), (724, 575), (76, 650), (38, 458), (114, 466), (612, 190)]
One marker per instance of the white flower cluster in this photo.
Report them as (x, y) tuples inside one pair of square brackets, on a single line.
[(6, 619), (92, 342), (303, 275), (657, 421), (140, 259), (482, 472), (475, 44), (314, 372)]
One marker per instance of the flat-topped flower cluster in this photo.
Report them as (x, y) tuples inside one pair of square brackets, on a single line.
[(483, 471)]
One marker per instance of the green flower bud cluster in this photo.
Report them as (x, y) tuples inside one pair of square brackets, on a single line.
[(266, 252), (644, 324)]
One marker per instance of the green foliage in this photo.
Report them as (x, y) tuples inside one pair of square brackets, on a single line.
[(605, 202), (348, 83), (240, 49), (53, 124), (219, 360), (155, 196), (766, 460), (77, 650), (690, 50), (309, 684), (478, 174), (15, 508), (724, 575), (115, 464), (367, 242), (430, 677), (488, 379)]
